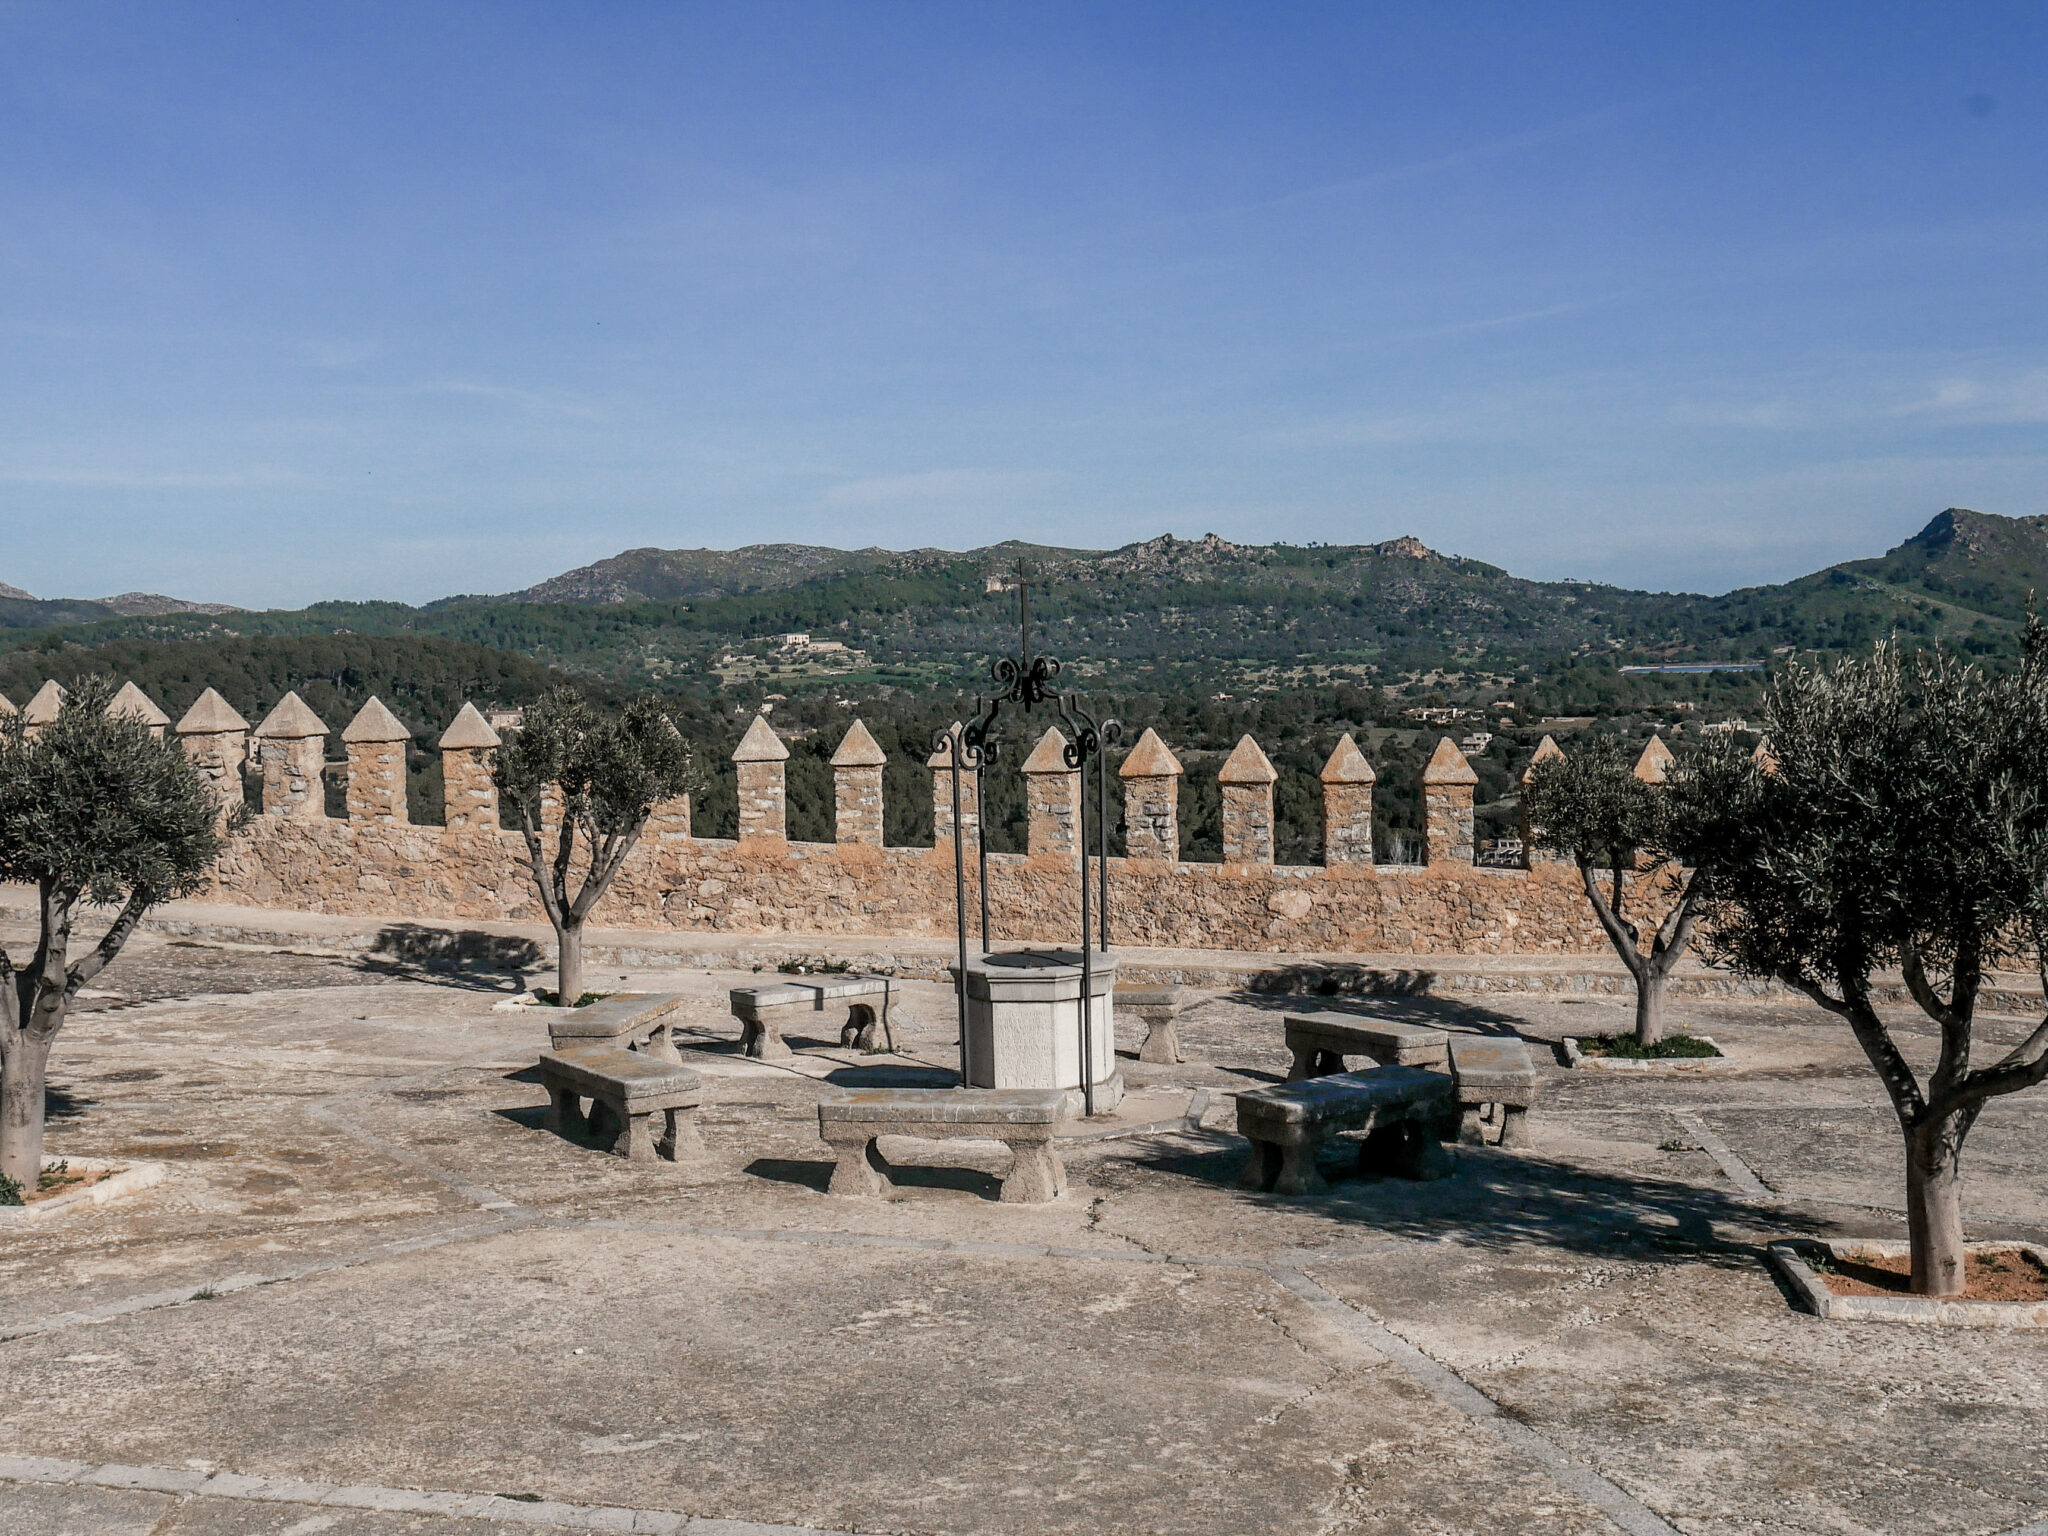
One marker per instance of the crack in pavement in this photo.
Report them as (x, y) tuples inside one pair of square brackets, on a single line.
[(1451, 1389), (546, 1513)]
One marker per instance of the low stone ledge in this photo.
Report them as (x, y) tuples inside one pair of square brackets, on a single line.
[(1574, 1057), (1940, 1311), (124, 1178)]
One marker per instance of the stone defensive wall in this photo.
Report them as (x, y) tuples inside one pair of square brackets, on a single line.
[(374, 862)]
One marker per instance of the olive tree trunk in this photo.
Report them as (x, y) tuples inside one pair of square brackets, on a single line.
[(1650, 1003), (568, 962), (22, 1077), (1934, 1207)]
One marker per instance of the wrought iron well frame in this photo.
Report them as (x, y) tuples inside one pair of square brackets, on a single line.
[(1027, 681)]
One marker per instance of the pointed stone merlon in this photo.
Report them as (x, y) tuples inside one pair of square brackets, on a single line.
[(375, 742), (468, 793), (291, 750), (1447, 786), (1247, 779), (1347, 805), (669, 820), (1151, 777), (1052, 798), (41, 709), (857, 787), (1546, 750), (131, 703), (216, 741), (941, 765), (1656, 763), (764, 794)]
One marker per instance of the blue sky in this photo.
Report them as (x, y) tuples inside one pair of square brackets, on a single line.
[(363, 300)]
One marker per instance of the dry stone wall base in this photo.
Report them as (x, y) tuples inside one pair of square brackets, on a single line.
[(766, 884)]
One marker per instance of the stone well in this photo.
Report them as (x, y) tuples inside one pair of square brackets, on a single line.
[(1024, 1023)]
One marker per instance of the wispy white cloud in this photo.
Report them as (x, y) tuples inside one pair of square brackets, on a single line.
[(151, 479), (969, 487), (2018, 398), (541, 402), (1576, 126)]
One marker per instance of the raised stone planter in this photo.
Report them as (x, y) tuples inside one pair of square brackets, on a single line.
[(123, 1178), (1812, 1289), (1024, 1024), (1574, 1057)]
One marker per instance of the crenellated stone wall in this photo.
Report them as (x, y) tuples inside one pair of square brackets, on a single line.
[(373, 862)]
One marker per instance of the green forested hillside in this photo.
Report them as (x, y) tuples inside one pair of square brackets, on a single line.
[(1203, 639), (1179, 613)]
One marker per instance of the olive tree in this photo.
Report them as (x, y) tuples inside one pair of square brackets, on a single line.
[(598, 776), (1900, 819), (1592, 809), (94, 810)]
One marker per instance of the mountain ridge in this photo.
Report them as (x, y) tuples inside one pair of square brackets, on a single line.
[(1184, 613)]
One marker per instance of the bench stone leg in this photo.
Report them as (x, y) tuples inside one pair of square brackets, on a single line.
[(661, 1045), (1407, 1149), (860, 1169), (680, 1140), (1162, 1044), (635, 1142), (1472, 1125), (1036, 1174), (1306, 1058), (602, 1122), (1514, 1126), (564, 1113), (859, 1029), (1298, 1172), (1261, 1168), (762, 1039), (1329, 1063)]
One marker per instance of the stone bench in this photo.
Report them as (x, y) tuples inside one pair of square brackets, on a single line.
[(1493, 1069), (1404, 1111), (631, 1021), (1321, 1041), (626, 1089), (764, 1012), (1020, 1117), (1160, 1008)]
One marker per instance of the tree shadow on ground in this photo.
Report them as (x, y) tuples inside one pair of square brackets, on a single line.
[(62, 1103), (1501, 1200), (451, 957)]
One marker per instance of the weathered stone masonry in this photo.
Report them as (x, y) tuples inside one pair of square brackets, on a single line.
[(375, 863)]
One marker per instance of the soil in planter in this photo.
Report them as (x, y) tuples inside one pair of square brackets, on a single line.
[(1625, 1048), (59, 1179), (2009, 1274)]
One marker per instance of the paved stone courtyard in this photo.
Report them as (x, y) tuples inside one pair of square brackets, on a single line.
[(374, 1297)]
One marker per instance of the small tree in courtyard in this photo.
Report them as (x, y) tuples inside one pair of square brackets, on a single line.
[(600, 776), (1592, 809), (1901, 819), (96, 810)]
